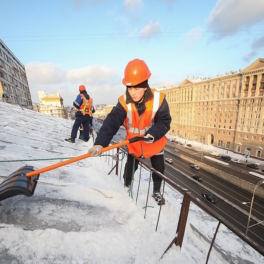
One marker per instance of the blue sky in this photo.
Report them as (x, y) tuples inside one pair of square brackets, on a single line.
[(65, 43)]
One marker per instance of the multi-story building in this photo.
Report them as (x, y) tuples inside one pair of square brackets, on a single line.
[(13, 79), (108, 109), (99, 110), (52, 104), (225, 111)]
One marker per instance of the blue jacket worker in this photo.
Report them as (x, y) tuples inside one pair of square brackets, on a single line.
[(83, 113)]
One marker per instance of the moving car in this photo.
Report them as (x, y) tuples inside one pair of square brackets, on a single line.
[(214, 153), (225, 157), (175, 150), (209, 197), (168, 160), (236, 160), (197, 178), (253, 166), (194, 166)]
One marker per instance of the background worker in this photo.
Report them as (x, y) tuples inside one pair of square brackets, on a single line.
[(83, 112), (81, 136), (143, 112)]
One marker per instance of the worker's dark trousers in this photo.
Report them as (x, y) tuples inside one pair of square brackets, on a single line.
[(81, 120), (157, 163)]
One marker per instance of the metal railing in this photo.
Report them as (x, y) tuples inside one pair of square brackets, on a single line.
[(188, 197)]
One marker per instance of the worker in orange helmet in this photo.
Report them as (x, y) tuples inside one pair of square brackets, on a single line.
[(83, 113), (143, 112)]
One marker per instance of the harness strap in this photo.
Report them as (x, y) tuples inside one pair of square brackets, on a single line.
[(84, 107)]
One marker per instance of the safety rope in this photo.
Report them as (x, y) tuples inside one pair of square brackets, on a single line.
[(19, 160), (34, 159)]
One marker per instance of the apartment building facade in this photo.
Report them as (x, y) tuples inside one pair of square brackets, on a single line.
[(52, 104), (99, 110), (224, 111), (14, 87)]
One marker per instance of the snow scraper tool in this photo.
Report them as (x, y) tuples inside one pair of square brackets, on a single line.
[(18, 183), (24, 180)]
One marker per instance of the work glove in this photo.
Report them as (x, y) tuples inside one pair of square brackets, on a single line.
[(95, 150), (148, 136)]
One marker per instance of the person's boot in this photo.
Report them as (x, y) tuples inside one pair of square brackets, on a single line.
[(158, 197), (71, 140)]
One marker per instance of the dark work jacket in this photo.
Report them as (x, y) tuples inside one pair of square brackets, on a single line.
[(116, 118), (78, 102)]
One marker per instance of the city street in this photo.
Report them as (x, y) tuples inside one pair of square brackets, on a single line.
[(181, 172)]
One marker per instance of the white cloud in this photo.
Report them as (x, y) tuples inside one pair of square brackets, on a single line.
[(91, 74), (44, 73), (82, 4), (102, 83), (250, 57), (131, 5), (194, 33), (152, 29), (229, 16), (190, 37), (258, 44)]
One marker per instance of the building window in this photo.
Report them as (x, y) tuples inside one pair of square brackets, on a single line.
[(220, 143), (238, 148), (228, 144), (258, 153), (261, 138), (253, 137)]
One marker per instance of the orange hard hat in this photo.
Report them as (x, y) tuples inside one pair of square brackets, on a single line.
[(136, 72), (82, 88)]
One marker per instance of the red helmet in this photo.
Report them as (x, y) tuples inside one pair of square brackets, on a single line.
[(82, 88), (136, 72)]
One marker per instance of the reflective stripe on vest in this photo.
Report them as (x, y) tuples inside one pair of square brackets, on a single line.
[(138, 125), (156, 105), (86, 106)]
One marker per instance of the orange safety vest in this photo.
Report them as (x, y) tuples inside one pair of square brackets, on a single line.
[(86, 107), (138, 125)]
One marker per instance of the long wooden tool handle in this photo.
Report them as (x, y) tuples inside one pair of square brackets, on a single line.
[(81, 157)]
